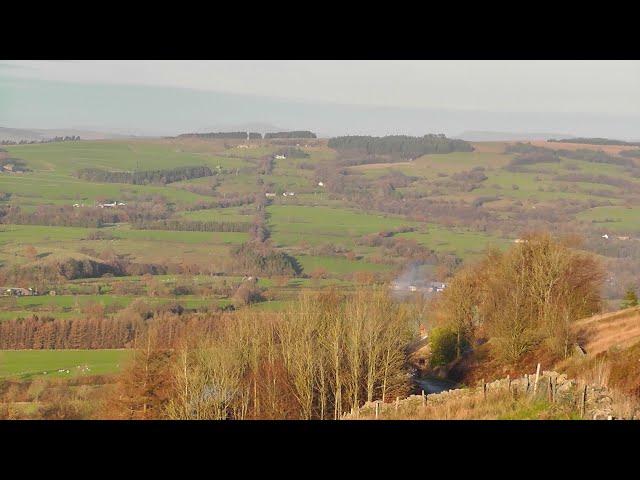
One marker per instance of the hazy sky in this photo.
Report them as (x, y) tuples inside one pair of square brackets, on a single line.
[(557, 86), (578, 97)]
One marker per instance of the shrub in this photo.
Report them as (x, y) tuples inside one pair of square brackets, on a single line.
[(442, 341)]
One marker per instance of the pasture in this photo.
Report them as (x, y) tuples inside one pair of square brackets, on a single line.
[(56, 363), (617, 218)]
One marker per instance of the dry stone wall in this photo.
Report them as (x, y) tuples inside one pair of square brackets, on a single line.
[(594, 402)]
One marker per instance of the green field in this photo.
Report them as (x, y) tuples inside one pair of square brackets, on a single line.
[(620, 219), (55, 363), (464, 243), (293, 224), (339, 265), (322, 228)]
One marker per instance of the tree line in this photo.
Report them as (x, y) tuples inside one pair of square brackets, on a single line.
[(293, 134), (535, 154), (233, 201), (595, 141), (63, 216), (400, 145), (68, 138), (323, 356), (224, 135), (95, 332), (171, 175), (193, 225)]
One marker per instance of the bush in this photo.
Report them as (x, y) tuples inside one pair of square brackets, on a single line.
[(247, 294), (442, 341)]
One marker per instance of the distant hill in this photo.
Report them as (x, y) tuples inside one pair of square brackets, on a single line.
[(482, 136), (17, 134), (259, 127), (596, 141)]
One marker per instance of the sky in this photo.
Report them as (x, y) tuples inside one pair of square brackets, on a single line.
[(579, 97)]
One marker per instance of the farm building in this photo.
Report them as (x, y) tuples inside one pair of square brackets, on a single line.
[(419, 286), (281, 157), (111, 204), (19, 292)]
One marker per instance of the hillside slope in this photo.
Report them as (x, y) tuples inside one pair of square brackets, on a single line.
[(601, 332)]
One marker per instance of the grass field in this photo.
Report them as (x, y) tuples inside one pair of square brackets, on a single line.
[(315, 221), (338, 265), (622, 219), (293, 224), (33, 363), (464, 243)]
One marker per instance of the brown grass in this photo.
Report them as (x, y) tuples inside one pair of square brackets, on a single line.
[(600, 333), (379, 166), (611, 149), (488, 147), (472, 406)]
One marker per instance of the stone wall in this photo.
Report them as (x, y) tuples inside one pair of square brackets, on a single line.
[(592, 401)]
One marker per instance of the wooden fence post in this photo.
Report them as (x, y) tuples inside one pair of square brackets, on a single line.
[(509, 383), (424, 399), (397, 403), (584, 401), (484, 390), (377, 409), (526, 378), (550, 392), (535, 385)]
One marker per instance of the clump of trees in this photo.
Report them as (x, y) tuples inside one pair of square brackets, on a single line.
[(171, 175), (400, 145), (15, 164), (247, 293), (630, 153), (254, 259), (321, 357), (630, 299), (595, 156), (522, 299), (602, 179), (475, 175), (525, 147), (533, 158)]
